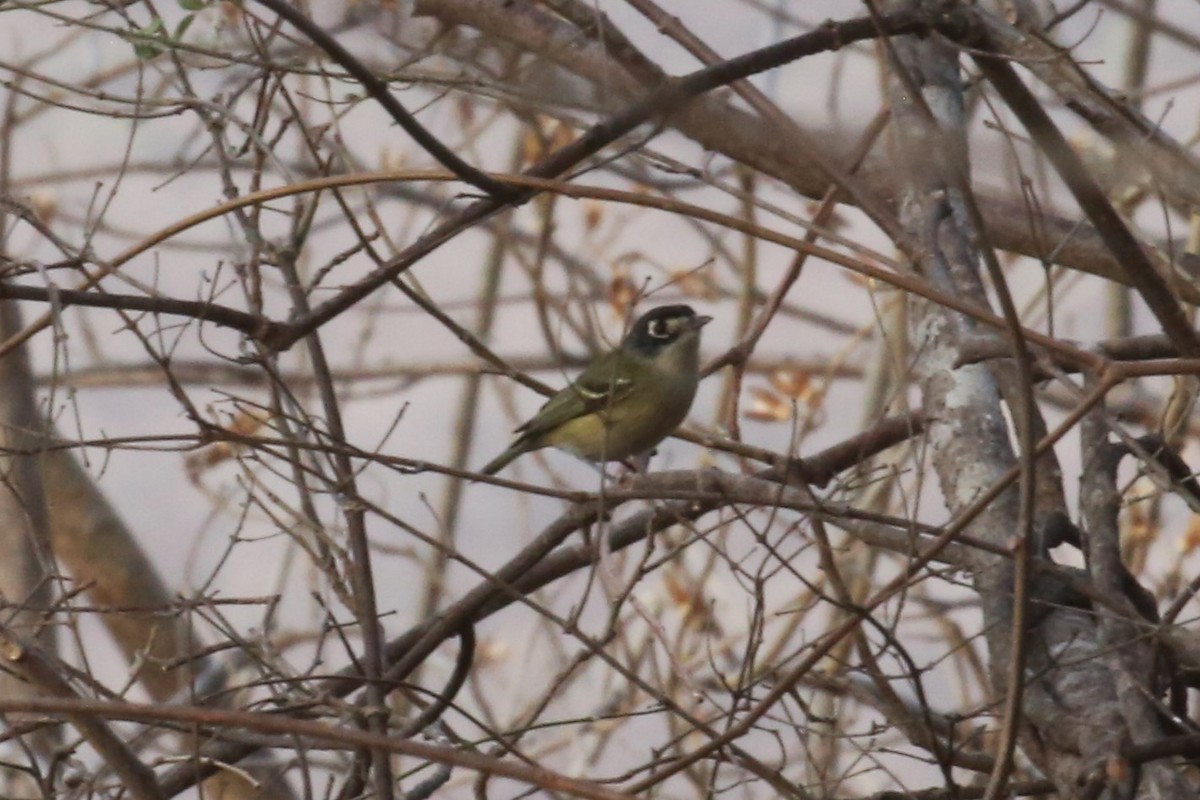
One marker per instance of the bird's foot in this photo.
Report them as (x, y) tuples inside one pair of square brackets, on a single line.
[(635, 465)]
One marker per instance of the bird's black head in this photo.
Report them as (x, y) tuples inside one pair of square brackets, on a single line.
[(661, 327)]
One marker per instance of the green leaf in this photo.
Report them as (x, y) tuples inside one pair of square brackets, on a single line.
[(153, 29), (146, 42), (182, 27), (192, 5), (146, 51)]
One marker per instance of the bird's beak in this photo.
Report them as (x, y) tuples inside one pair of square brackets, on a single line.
[(700, 321)]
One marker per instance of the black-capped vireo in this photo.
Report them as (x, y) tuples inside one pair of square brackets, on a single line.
[(627, 400)]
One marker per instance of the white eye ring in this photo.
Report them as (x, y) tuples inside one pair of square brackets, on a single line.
[(659, 329)]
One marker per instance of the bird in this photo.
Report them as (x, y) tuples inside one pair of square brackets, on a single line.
[(627, 400)]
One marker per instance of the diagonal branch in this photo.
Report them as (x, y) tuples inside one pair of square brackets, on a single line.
[(379, 92), (655, 105), (1108, 223)]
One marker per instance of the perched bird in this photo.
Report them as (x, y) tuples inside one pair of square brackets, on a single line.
[(627, 400)]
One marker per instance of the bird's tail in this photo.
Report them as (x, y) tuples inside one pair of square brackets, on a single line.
[(501, 461)]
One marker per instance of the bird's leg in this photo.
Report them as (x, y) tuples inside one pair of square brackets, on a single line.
[(635, 465), (641, 462)]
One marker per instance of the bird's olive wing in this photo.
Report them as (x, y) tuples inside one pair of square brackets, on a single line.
[(598, 387)]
